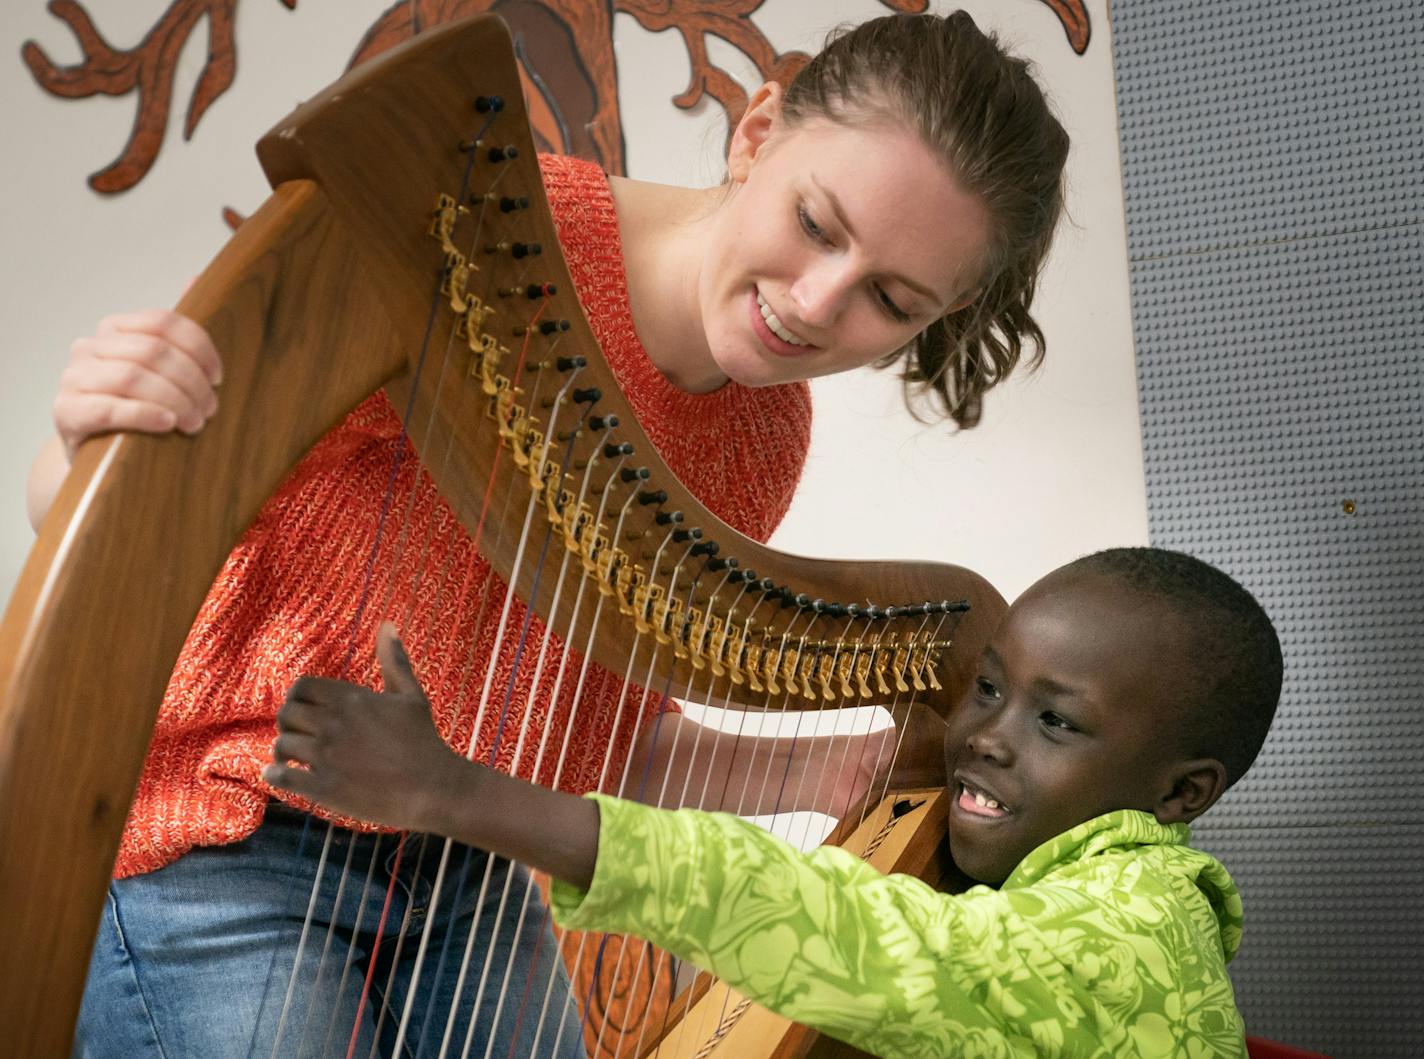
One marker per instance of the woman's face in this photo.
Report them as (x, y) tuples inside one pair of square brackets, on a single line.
[(838, 244)]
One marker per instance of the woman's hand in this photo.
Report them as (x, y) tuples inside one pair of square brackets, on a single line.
[(906, 756), (920, 761), (151, 371), (373, 756)]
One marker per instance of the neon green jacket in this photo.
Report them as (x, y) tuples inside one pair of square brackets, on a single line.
[(1109, 940)]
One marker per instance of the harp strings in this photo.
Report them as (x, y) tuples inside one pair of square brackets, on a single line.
[(414, 595), (647, 683), (407, 1008), (643, 950), (353, 641), (543, 458), (419, 567), (731, 650), (723, 1017), (699, 1028), (505, 609), (720, 1016), (521, 646)]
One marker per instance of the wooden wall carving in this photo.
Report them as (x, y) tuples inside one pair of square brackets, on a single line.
[(566, 53)]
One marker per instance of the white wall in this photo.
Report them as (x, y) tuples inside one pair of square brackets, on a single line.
[(1055, 469)]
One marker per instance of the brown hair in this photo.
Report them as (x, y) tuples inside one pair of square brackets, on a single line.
[(980, 107)]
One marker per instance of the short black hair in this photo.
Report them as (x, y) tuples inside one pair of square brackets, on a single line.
[(1235, 649)]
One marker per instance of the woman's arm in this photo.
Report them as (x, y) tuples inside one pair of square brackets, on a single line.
[(679, 763), (46, 475)]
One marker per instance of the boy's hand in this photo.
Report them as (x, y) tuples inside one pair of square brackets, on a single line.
[(370, 756)]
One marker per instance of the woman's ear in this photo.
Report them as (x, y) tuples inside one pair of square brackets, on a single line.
[(761, 118), (1192, 789)]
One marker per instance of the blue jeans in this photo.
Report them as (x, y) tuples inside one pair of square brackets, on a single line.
[(196, 959)]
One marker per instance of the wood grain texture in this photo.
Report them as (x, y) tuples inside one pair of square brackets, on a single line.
[(120, 567)]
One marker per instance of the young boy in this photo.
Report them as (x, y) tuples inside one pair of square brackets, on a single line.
[(1121, 695)]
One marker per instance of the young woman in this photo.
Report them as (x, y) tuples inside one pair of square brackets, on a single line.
[(893, 206)]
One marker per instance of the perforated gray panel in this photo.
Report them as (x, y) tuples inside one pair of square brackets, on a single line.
[(1272, 159), (1252, 121), (1326, 953)]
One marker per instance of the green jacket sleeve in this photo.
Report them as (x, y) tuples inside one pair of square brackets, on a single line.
[(1086, 968)]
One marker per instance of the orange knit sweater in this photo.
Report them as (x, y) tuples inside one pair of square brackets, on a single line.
[(286, 599)]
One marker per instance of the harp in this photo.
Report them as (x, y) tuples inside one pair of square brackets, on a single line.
[(359, 249)]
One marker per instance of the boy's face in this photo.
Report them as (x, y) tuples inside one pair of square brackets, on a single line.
[(1075, 710)]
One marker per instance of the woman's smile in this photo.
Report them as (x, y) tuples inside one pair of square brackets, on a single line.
[(778, 338)]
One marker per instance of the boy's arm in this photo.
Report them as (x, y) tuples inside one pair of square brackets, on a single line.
[(554, 832), (881, 961), (820, 938), (1090, 965), (712, 889), (378, 757)]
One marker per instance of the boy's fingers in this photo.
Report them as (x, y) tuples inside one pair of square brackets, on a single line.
[(294, 746), (303, 709), (289, 778), (395, 663), (321, 691)]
